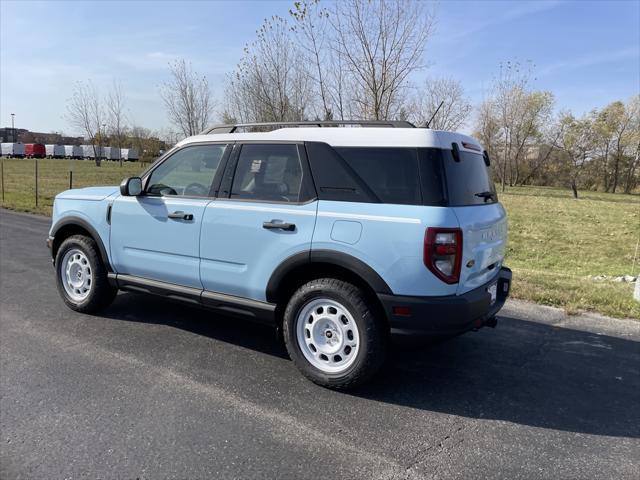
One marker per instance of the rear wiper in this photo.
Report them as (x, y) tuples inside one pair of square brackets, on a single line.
[(486, 195)]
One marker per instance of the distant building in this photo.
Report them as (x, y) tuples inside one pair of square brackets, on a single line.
[(25, 136), (9, 135)]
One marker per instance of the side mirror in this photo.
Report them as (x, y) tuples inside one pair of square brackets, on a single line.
[(131, 187)]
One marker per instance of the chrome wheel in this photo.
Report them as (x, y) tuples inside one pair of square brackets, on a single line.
[(327, 335), (76, 275)]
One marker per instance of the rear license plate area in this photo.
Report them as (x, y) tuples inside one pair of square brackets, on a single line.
[(492, 290)]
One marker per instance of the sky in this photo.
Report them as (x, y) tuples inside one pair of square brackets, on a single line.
[(587, 53)]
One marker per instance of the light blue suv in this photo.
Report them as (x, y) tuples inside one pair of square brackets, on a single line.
[(338, 233)]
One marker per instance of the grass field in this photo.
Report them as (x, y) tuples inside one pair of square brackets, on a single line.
[(53, 177), (556, 243)]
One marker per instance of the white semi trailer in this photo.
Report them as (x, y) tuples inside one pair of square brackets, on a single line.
[(130, 154), (73, 151), (88, 151), (55, 151), (12, 150), (112, 153)]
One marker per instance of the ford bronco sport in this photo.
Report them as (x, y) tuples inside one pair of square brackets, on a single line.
[(339, 236)]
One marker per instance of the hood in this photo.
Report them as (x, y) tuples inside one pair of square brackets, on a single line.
[(89, 193)]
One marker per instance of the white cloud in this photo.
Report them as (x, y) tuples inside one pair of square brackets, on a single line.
[(465, 29), (590, 60), (150, 61)]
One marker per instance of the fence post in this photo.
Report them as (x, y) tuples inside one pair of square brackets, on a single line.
[(2, 174), (36, 160), (70, 179)]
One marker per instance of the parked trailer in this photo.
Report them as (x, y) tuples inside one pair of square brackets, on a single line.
[(12, 150), (112, 153), (55, 151), (73, 151), (35, 150), (129, 154), (89, 152)]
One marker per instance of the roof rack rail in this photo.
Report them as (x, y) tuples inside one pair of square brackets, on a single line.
[(232, 128)]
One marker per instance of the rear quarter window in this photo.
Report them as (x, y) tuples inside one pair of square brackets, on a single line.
[(391, 173)]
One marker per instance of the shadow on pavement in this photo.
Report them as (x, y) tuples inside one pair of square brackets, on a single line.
[(522, 372)]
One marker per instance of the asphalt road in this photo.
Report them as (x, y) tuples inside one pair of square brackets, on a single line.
[(155, 389)]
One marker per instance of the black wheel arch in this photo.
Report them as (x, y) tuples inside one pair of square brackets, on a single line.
[(305, 266), (69, 226)]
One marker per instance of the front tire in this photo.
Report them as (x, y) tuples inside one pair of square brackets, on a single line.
[(334, 334), (81, 276)]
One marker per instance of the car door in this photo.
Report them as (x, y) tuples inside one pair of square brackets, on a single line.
[(156, 235), (265, 212)]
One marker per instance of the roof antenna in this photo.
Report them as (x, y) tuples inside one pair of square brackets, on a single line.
[(434, 114)]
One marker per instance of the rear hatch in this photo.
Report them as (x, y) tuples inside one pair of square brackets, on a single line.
[(403, 178), (472, 196)]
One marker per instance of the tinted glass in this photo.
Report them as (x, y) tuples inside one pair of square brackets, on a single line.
[(391, 173), (431, 176), (188, 172), (469, 180), (268, 173)]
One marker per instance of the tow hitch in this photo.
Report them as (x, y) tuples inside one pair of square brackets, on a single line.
[(490, 322)]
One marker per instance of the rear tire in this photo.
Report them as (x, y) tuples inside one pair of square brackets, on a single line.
[(81, 276), (334, 334)]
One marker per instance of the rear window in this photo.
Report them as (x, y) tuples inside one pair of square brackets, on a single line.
[(469, 180)]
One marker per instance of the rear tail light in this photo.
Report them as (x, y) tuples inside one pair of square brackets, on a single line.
[(443, 253)]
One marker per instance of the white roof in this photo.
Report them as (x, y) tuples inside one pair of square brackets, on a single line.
[(349, 137)]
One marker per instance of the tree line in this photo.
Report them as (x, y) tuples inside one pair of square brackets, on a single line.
[(531, 143), (360, 59), (103, 120)]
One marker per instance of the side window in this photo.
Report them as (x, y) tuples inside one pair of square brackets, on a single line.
[(391, 173), (188, 172), (268, 172)]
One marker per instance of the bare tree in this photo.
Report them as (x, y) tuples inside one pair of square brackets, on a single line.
[(455, 109), (311, 22), (542, 152), (169, 137), (631, 180), (576, 142), (621, 119), (520, 115), (381, 43), (488, 129), (271, 83), (602, 132), (147, 142), (188, 98), (139, 136), (116, 113), (85, 112), (339, 87)]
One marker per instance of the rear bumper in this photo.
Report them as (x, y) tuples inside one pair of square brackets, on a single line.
[(433, 316)]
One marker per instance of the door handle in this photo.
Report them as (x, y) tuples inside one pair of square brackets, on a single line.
[(289, 227), (180, 215)]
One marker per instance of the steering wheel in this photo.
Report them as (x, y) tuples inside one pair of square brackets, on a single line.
[(196, 189)]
